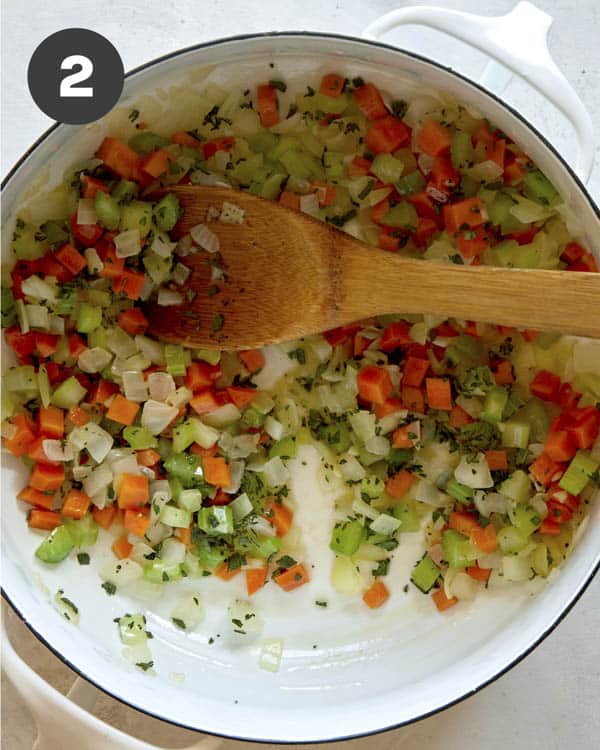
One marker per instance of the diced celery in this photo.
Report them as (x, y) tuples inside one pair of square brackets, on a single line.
[(68, 394), (9, 314), (147, 141), (580, 471), (333, 105), (158, 571), (107, 210), (539, 560), (269, 187), (511, 539), (296, 164), (25, 245), (167, 212), (515, 435), (56, 546), (218, 519), (347, 537), (411, 183), (44, 386), (139, 438), (337, 436), (458, 550), (175, 357), (175, 486), (125, 190), (535, 414), (493, 406), (387, 168), (84, 532), (252, 418), (286, 448), (176, 517), (461, 150), (499, 213), (408, 517), (538, 187), (98, 338), (241, 507), (372, 487), (88, 317), (268, 546), (56, 232), (212, 356), (99, 298), (190, 500), (402, 215), (284, 144), (333, 161), (517, 486), (460, 491), (183, 435), (183, 466), (425, 574), (264, 141), (469, 186), (20, 378), (158, 268), (136, 215), (526, 519)]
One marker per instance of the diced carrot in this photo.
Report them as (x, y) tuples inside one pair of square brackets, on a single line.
[(217, 471), (434, 139), (46, 344), (255, 579), (77, 344), (129, 283), (281, 517), (185, 139), (198, 450), (472, 242), (503, 373), (46, 477), (439, 393), (266, 104), (395, 335), (289, 200), (205, 402), (119, 158), (374, 384), (545, 385), (133, 321), (413, 399), (496, 151), (398, 484), (184, 536), (37, 453), (545, 470), (201, 375), (136, 521), (359, 167), (122, 410), (497, 460), (78, 416), (560, 445), (75, 505), (369, 101), (37, 498), (325, 193), (70, 258), (401, 437), (156, 163), (514, 173), (332, 84), (104, 516), (252, 359), (113, 266), (90, 186), (43, 519), (479, 574), (529, 334), (484, 538), (464, 523), (465, 214), (19, 443), (121, 547), (292, 578), (223, 572), (51, 422), (376, 595), (133, 491), (210, 148), (389, 406), (241, 396), (386, 135), (147, 457), (549, 527), (102, 391), (441, 601), (414, 371), (458, 417)]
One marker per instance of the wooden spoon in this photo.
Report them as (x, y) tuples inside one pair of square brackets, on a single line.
[(289, 275)]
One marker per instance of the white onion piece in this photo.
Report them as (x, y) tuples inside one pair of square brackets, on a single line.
[(157, 416), (125, 465), (274, 428), (240, 446), (309, 204), (378, 445), (426, 492), (180, 396), (351, 469), (94, 359), (391, 421), (216, 274), (485, 171), (189, 611), (231, 213), (121, 343), (86, 211), (167, 297), (516, 568), (94, 262), (490, 560), (55, 451), (152, 350), (172, 551), (237, 472), (161, 486), (490, 502), (97, 480), (38, 289), (275, 472), (205, 238), (100, 499), (140, 550), (92, 438), (425, 163), (184, 246), (385, 524), (38, 316), (121, 573), (134, 386), (198, 177), (460, 585), (127, 243), (473, 406), (363, 424), (156, 532), (56, 324), (222, 416), (160, 385), (475, 474), (204, 435), (180, 274), (321, 347), (161, 247)]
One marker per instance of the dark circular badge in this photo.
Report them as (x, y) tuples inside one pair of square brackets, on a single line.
[(75, 76)]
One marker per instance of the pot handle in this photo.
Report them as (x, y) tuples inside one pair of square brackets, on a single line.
[(519, 42), (65, 721)]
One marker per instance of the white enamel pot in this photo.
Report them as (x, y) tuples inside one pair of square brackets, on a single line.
[(370, 671)]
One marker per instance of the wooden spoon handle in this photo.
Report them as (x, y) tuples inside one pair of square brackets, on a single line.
[(378, 283)]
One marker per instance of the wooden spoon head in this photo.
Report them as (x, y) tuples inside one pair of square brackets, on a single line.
[(278, 270)]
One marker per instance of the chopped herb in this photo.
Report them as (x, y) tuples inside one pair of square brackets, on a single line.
[(145, 665), (212, 290), (298, 354), (218, 322), (399, 108), (321, 604), (180, 623), (109, 587), (133, 115), (279, 85), (382, 568), (83, 558), (286, 562)]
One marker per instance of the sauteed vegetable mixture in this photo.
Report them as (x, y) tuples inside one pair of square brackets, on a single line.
[(481, 439)]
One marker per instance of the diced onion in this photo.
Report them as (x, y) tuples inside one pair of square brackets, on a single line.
[(167, 297), (231, 214), (516, 568), (241, 507), (189, 611), (460, 585), (351, 469), (86, 211), (363, 424), (98, 480), (92, 438), (157, 416), (275, 472), (240, 446), (38, 289), (274, 428), (94, 359), (55, 451), (205, 238), (128, 243), (162, 247), (222, 416), (385, 524), (391, 421), (172, 551), (270, 654), (94, 262), (56, 324), (152, 350), (237, 472), (180, 274), (180, 396), (475, 474), (122, 572), (321, 347), (426, 492), (184, 246), (216, 274), (473, 406), (378, 445), (161, 385), (38, 316), (309, 204), (157, 532), (134, 386), (528, 211), (490, 560), (121, 343), (490, 502), (345, 579)]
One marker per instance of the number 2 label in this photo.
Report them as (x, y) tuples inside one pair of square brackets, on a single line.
[(68, 86)]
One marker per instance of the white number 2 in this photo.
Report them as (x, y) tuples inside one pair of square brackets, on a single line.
[(68, 84)]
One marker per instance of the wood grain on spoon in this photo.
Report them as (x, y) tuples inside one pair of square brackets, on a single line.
[(289, 275)]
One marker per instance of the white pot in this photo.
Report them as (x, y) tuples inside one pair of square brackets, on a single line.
[(382, 669)]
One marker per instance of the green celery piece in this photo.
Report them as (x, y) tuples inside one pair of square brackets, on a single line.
[(9, 314), (158, 571), (56, 546), (535, 414), (136, 215), (285, 143), (147, 141), (183, 436), (176, 517), (538, 187), (469, 186), (176, 487), (333, 161), (458, 550), (408, 517), (411, 183), (268, 546), (425, 574), (253, 418), (515, 434), (183, 466), (216, 520), (511, 540), (333, 105), (372, 487), (347, 537), (68, 394), (24, 244), (387, 168), (107, 210), (88, 317), (139, 438), (84, 532), (209, 554), (580, 471), (461, 150), (517, 486), (175, 357), (459, 491), (167, 212), (263, 141), (402, 215), (493, 407), (271, 187), (286, 448), (526, 519), (56, 232), (337, 436), (212, 356), (125, 191)]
